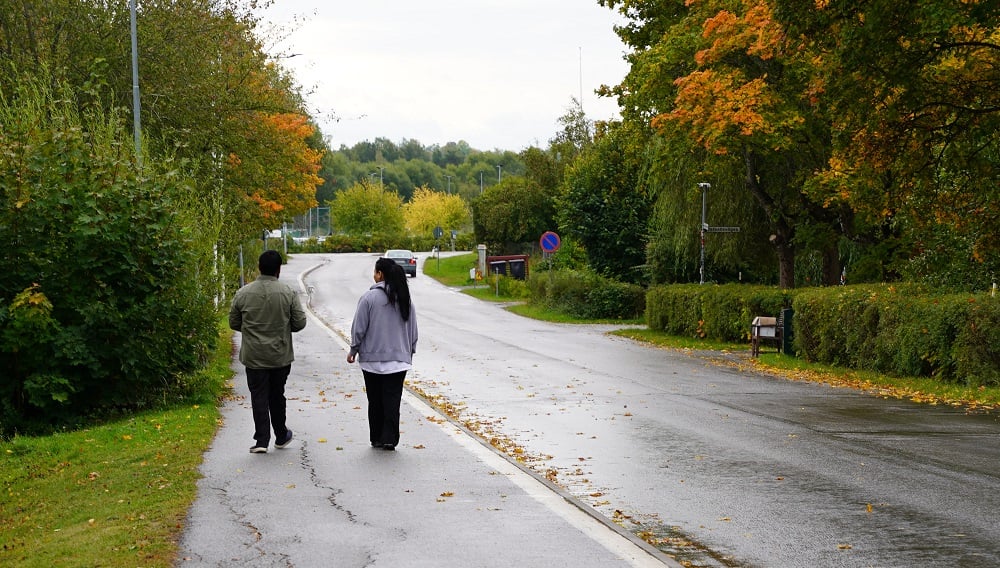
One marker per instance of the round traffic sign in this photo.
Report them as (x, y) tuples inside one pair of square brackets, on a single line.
[(549, 242)]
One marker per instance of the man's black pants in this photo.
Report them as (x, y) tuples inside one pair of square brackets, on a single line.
[(267, 398)]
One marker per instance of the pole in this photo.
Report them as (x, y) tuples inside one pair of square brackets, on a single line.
[(704, 206), (136, 121), (499, 172)]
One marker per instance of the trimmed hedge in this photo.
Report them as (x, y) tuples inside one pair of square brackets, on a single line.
[(901, 329), (719, 312), (379, 243), (586, 295)]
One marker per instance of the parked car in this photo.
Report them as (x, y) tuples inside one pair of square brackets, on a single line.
[(403, 258)]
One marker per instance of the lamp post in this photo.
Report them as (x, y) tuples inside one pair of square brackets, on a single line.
[(499, 173), (704, 187), (449, 183), (136, 122), (704, 193), (380, 170)]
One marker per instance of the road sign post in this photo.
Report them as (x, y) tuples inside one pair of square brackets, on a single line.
[(704, 187)]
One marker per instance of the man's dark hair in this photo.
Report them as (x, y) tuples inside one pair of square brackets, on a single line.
[(269, 263)]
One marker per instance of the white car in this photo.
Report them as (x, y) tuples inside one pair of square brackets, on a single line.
[(403, 258)]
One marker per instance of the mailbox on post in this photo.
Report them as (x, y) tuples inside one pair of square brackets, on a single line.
[(763, 328)]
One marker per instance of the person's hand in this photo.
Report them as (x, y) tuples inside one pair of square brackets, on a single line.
[(350, 357)]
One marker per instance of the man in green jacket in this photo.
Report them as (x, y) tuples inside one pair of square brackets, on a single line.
[(266, 312)]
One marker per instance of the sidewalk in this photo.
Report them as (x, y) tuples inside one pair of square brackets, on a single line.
[(443, 499)]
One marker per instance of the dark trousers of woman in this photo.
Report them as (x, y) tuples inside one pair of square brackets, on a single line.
[(267, 398), (384, 395)]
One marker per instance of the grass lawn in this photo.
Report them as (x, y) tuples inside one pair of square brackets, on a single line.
[(113, 494)]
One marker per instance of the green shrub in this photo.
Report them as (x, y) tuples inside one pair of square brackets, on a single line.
[(105, 297), (902, 329), (720, 312), (977, 347), (586, 295)]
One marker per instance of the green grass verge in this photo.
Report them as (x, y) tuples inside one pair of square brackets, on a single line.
[(451, 270), (110, 495)]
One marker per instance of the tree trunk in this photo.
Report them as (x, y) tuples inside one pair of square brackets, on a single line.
[(831, 265), (786, 260), (784, 232)]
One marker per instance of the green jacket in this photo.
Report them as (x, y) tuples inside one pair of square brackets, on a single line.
[(266, 312)]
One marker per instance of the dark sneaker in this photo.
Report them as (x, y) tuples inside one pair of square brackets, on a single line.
[(258, 450), (284, 443), (389, 447)]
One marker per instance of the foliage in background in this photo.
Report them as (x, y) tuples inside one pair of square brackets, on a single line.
[(512, 215), (429, 209), (100, 303), (605, 207), (368, 209), (404, 166), (586, 295)]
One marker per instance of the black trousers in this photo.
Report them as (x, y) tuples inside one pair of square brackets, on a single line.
[(384, 395), (267, 398)]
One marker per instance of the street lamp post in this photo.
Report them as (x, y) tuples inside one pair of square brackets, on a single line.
[(449, 183), (380, 170), (136, 128), (704, 226), (499, 173)]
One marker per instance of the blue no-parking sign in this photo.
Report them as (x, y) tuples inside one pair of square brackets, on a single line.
[(549, 242)]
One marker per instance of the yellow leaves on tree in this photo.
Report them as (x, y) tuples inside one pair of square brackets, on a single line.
[(720, 103), (429, 209), (277, 169)]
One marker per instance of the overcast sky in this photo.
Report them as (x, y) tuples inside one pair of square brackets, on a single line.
[(495, 73)]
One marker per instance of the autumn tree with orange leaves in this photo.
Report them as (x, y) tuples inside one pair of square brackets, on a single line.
[(865, 132), (914, 95)]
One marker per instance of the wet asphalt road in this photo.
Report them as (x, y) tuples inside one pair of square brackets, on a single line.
[(753, 470), (329, 500)]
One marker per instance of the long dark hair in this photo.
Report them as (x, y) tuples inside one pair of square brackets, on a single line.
[(396, 286)]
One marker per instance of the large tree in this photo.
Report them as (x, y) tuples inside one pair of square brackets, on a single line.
[(914, 92), (511, 215), (723, 75), (367, 209), (605, 204), (209, 93)]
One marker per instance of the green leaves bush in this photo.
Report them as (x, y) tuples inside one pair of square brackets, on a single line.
[(903, 329), (720, 312), (104, 299), (586, 295)]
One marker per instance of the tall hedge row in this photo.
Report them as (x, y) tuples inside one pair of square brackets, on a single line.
[(902, 329), (584, 294), (720, 312)]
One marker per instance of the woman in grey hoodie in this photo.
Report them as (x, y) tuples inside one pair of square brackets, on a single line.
[(383, 340)]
